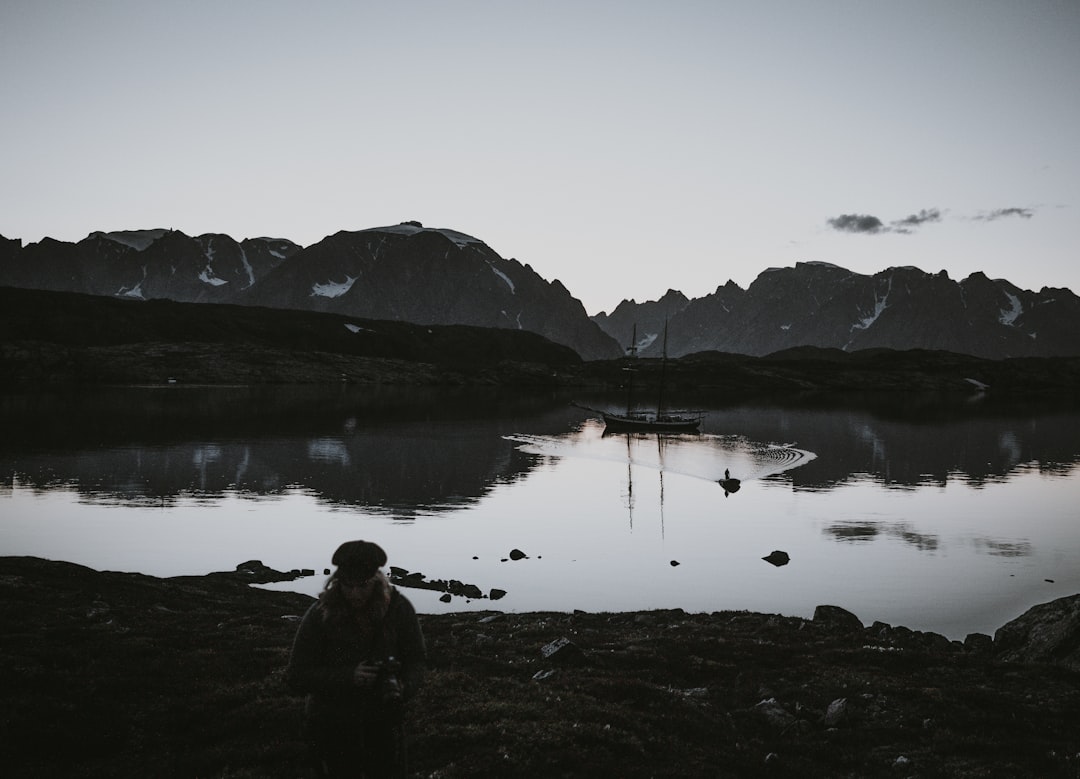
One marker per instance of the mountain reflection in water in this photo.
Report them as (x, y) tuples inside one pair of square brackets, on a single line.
[(949, 517)]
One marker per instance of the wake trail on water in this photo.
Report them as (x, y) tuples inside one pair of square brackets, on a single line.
[(699, 457)]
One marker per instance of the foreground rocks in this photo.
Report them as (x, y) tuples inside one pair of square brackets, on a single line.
[(1047, 633), (123, 675)]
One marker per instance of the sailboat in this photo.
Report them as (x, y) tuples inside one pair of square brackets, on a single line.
[(635, 420)]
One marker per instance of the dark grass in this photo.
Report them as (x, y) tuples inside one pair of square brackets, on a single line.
[(129, 676)]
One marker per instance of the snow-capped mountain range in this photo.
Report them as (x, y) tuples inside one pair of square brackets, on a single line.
[(408, 272), (403, 272), (823, 305)]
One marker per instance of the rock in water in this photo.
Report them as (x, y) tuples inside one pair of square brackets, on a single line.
[(777, 558)]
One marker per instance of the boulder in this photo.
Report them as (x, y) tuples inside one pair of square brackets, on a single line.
[(563, 651), (838, 618), (1047, 633), (774, 714)]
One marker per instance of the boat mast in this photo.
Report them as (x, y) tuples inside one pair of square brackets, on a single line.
[(663, 371), (631, 352)]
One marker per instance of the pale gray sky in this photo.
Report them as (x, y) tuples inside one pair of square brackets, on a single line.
[(623, 148)]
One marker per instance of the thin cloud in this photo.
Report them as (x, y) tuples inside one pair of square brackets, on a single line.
[(858, 223), (866, 224), (1004, 213), (872, 225), (909, 223)]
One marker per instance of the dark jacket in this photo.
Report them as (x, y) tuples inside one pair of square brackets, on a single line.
[(325, 653)]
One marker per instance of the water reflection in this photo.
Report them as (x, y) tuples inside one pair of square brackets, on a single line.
[(405, 450), (400, 452), (864, 532), (952, 520), (706, 456), (979, 444)]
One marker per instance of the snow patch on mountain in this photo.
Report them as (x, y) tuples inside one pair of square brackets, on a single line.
[(881, 302), (1009, 315), (333, 289), (207, 277), (247, 265), (275, 246), (646, 341), (502, 276), (412, 228), (131, 292), (136, 239)]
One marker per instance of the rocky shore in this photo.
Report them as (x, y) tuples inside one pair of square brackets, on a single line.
[(125, 675)]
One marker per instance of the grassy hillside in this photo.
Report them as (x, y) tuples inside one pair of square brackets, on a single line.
[(57, 337)]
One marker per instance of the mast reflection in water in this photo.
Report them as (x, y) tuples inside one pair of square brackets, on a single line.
[(946, 518)]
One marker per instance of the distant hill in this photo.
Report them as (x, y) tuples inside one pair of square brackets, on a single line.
[(69, 337)]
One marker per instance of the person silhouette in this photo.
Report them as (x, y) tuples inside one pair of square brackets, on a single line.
[(729, 484), (359, 655)]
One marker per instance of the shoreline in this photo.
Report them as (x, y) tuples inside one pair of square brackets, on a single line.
[(128, 675)]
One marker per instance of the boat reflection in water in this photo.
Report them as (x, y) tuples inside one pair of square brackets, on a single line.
[(703, 456), (936, 515)]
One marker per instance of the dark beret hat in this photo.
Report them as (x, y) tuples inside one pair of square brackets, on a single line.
[(361, 557)]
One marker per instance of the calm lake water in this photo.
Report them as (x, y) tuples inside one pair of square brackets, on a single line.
[(947, 516)]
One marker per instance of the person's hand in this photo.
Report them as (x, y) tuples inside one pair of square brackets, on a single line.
[(364, 674)]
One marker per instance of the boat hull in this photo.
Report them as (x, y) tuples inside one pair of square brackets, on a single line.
[(617, 423)]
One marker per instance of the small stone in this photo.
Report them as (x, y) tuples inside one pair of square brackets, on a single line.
[(674, 563), (446, 597), (517, 554), (496, 593), (836, 713)]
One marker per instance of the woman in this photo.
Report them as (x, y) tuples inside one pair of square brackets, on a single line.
[(359, 654)]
